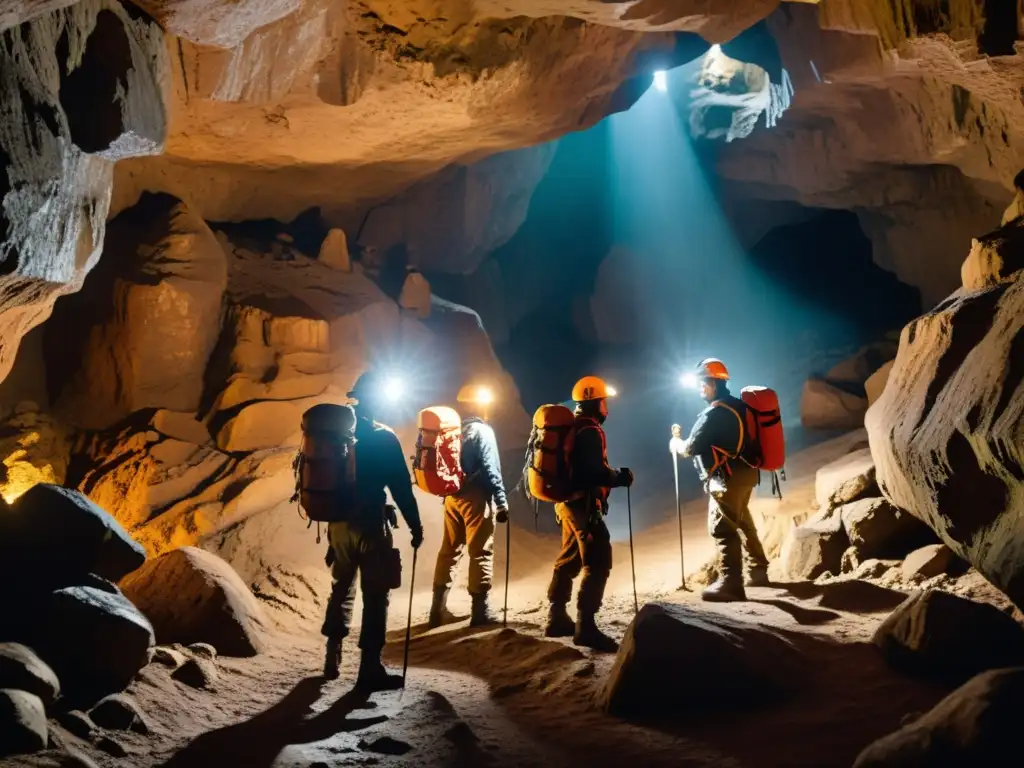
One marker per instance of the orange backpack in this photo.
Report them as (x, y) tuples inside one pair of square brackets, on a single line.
[(437, 465), (325, 467), (549, 454)]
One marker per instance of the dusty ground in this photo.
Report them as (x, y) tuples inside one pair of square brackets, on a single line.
[(509, 697)]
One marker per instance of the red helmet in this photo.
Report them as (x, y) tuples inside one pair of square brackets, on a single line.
[(712, 368)]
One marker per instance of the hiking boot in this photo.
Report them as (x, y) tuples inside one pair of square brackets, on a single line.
[(588, 635), (373, 676), (723, 591), (439, 613), (758, 577), (481, 615), (560, 624), (332, 659)]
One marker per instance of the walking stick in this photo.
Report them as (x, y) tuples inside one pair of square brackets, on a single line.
[(508, 565), (632, 559), (408, 622), (677, 435)]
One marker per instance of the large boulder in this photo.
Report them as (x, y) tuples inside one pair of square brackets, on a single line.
[(23, 727), (875, 384), (847, 479), (94, 639), (192, 596), (947, 433), (140, 332), (937, 633), (55, 536), (674, 657), (266, 424), (879, 530), (928, 562), (20, 668), (814, 548), (831, 405), (858, 369), (977, 724)]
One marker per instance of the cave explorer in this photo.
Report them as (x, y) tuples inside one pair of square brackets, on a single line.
[(468, 518), (718, 446), (586, 542), (363, 543)]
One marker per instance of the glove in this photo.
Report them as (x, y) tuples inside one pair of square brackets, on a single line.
[(417, 537), (502, 516), (625, 478), (329, 557), (676, 446)]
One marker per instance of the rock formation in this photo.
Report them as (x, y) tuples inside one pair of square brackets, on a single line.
[(81, 89), (947, 432)]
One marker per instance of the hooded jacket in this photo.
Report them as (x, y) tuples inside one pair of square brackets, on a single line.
[(381, 464), (718, 440)]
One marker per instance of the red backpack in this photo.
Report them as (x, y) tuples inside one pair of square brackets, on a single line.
[(437, 465), (762, 443)]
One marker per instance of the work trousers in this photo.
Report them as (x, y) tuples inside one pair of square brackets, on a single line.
[(586, 547), (468, 522), (731, 524), (363, 548)]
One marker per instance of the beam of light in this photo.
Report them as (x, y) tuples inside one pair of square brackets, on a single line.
[(689, 380), (393, 389), (661, 80), (715, 49), (612, 392), (484, 395)]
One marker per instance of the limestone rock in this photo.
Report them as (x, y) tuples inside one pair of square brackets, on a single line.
[(197, 673), (168, 657), (118, 712), (995, 258), (738, 660), (948, 432), (845, 480), (192, 596), (69, 117), (334, 251), (879, 530), (112, 747), (875, 384), (814, 548), (180, 426), (266, 424), (145, 322), (34, 449), (937, 633), (58, 535), (928, 562), (827, 405), (77, 724), (21, 669), (95, 641), (203, 651), (976, 724), (856, 370), (850, 561), (415, 296), (23, 727)]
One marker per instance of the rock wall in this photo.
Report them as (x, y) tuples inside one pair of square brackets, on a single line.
[(80, 88), (947, 433)]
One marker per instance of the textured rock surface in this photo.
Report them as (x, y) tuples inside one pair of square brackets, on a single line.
[(937, 633), (879, 530), (975, 725), (830, 405), (59, 536), (814, 548), (80, 89), (876, 382), (193, 596), (96, 642), (35, 449), (845, 480), (928, 562), (737, 660), (23, 727), (140, 332), (948, 432), (21, 669)]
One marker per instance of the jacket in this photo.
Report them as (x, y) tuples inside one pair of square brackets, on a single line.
[(481, 462), (718, 442), (380, 465), (591, 475)]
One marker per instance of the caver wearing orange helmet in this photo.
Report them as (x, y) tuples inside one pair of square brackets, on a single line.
[(721, 452), (586, 543)]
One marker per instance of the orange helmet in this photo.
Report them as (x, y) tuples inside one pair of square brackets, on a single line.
[(591, 388), (712, 368)]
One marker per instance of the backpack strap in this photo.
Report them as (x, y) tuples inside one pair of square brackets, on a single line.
[(739, 420)]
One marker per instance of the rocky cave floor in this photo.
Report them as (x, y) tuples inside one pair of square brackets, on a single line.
[(508, 696)]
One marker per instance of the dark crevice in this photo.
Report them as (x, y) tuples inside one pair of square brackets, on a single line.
[(975, 499), (1014, 376), (89, 93), (1000, 30)]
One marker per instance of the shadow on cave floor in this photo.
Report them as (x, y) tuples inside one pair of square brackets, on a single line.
[(851, 596), (257, 742)]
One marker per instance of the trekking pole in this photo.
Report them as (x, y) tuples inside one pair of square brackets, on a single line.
[(508, 566), (409, 622), (676, 433), (632, 559)]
